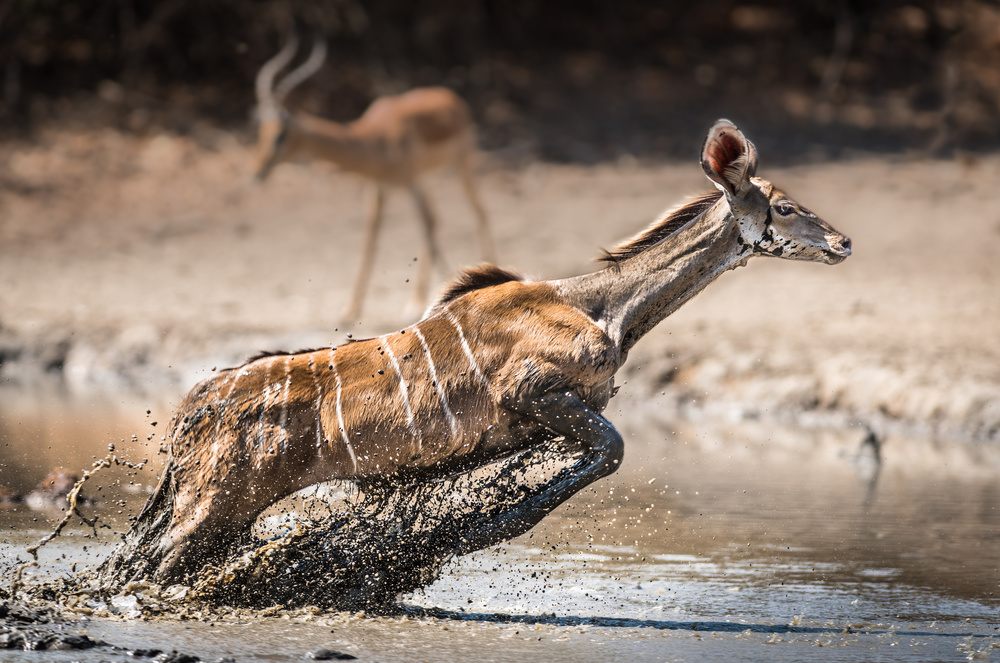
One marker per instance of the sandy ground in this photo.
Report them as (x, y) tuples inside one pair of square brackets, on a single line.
[(141, 263)]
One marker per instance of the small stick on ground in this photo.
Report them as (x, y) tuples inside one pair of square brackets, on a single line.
[(71, 498)]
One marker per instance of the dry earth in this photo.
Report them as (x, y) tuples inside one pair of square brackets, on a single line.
[(141, 263)]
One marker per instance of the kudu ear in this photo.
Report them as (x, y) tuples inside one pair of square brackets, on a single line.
[(728, 158)]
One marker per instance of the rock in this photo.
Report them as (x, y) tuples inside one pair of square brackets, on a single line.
[(175, 657), (73, 642), (146, 653), (53, 489), (36, 639), (329, 655), (10, 496), (12, 639)]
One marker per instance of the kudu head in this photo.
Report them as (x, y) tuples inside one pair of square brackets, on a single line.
[(273, 140), (770, 221)]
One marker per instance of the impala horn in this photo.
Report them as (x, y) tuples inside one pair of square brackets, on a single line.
[(316, 59), (266, 101)]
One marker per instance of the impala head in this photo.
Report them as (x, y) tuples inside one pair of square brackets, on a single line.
[(273, 145), (770, 221)]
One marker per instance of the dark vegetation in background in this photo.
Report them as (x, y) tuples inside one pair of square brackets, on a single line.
[(574, 80)]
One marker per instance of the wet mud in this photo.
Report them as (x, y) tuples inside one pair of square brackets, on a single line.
[(45, 629)]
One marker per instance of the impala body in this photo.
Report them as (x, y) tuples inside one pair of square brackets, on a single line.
[(394, 143), (497, 365)]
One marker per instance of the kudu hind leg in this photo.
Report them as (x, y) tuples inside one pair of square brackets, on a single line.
[(567, 415), (373, 223), (207, 521), (187, 540)]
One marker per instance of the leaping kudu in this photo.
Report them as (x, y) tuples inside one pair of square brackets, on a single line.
[(393, 144), (497, 365)]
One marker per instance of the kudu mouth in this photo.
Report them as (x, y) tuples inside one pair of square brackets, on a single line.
[(840, 249)]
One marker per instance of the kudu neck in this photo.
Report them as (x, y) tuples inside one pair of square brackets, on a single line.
[(630, 297)]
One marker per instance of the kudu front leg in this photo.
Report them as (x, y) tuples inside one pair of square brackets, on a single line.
[(565, 414)]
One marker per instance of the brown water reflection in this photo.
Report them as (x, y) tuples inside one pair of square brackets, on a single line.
[(40, 432)]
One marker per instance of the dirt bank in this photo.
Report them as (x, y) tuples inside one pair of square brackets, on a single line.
[(141, 263)]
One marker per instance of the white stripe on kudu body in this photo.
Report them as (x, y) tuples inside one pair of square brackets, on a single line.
[(225, 400), (283, 419), (319, 400), (262, 421), (452, 422), (543, 356), (403, 391), (340, 411), (466, 349)]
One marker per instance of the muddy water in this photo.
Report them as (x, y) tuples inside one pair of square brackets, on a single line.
[(746, 541)]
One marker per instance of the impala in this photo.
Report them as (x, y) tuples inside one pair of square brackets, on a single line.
[(393, 144)]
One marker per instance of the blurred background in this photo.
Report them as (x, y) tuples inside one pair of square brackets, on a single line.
[(560, 80)]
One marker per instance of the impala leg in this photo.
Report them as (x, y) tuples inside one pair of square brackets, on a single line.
[(373, 223), (431, 253), (567, 415), (483, 233)]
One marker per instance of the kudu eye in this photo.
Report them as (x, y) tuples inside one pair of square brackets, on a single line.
[(784, 209)]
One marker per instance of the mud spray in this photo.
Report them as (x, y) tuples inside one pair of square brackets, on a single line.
[(362, 550)]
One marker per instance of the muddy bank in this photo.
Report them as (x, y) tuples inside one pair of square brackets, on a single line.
[(140, 263), (846, 389)]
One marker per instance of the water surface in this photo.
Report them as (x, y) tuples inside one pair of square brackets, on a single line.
[(749, 541)]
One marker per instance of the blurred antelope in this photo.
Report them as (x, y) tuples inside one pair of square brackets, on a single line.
[(497, 365), (395, 141)]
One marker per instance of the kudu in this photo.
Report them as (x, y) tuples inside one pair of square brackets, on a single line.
[(393, 144), (497, 365)]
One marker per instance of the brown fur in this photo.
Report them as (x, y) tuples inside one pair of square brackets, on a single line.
[(434, 114), (260, 431), (263, 354), (476, 278)]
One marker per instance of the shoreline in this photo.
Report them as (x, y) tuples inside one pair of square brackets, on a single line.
[(687, 382)]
